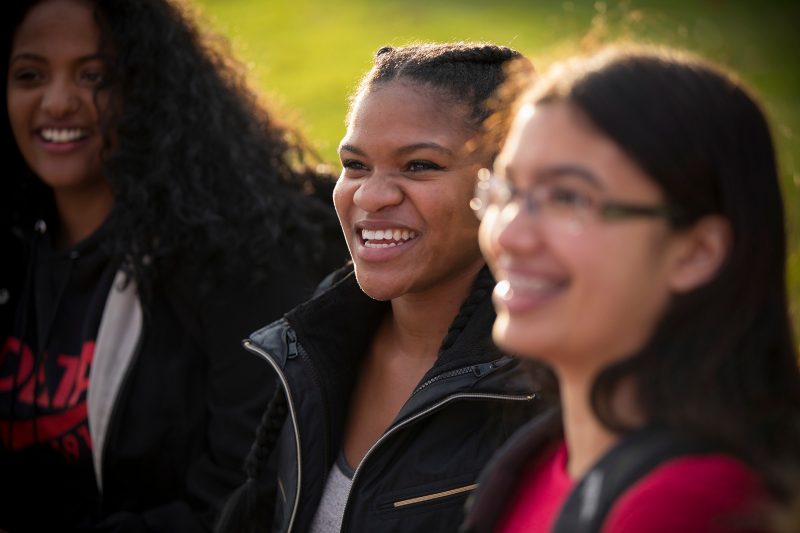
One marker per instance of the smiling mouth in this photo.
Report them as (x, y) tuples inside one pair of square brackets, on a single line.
[(63, 135), (387, 238), (515, 285)]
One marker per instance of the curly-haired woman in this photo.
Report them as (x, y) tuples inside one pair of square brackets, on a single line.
[(153, 213)]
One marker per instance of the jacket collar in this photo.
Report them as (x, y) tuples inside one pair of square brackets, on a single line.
[(336, 327), (333, 331)]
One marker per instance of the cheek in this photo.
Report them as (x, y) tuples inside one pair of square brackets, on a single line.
[(104, 112), (489, 227), (100, 101), (458, 222), (18, 109), (343, 199), (622, 283)]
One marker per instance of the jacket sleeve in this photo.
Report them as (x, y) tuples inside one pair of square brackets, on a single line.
[(238, 387)]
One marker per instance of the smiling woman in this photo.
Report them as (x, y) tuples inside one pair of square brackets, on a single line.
[(151, 214), (393, 395), (408, 171), (54, 108), (635, 224)]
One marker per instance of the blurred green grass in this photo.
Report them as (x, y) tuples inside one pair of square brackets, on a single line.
[(306, 56)]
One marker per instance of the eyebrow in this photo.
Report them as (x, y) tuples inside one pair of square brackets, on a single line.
[(41, 59), (424, 146), (351, 148), (559, 171), (402, 150)]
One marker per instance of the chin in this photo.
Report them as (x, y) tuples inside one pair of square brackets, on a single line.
[(515, 337), (375, 287)]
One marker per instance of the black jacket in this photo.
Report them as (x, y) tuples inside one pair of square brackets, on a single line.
[(173, 402), (418, 474)]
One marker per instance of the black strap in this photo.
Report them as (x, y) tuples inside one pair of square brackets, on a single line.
[(631, 459), (500, 479)]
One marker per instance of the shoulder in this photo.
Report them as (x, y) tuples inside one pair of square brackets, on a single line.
[(709, 493), (223, 309)]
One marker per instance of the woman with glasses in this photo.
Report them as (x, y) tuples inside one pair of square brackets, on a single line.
[(635, 227)]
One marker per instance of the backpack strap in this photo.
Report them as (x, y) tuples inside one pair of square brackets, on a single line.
[(630, 460), (498, 481)]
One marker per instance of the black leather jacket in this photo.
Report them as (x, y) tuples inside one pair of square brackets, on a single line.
[(418, 474)]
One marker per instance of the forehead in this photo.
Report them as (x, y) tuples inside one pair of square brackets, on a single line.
[(556, 133), (400, 112), (58, 27), (544, 137)]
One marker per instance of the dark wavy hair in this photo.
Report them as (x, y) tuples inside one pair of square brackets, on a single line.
[(202, 173), (721, 363), (465, 74)]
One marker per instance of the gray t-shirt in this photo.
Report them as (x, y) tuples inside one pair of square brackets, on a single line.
[(331, 507)]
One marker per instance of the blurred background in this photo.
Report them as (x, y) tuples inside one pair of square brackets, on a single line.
[(306, 56)]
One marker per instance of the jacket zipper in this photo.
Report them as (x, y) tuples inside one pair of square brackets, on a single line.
[(295, 349), (479, 370), (394, 429), (252, 347)]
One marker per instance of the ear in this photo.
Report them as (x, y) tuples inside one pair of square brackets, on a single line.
[(700, 252)]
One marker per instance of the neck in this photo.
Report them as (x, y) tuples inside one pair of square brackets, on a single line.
[(81, 212), (587, 439), (419, 321)]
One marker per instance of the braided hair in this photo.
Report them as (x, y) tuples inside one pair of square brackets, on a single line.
[(250, 507), (481, 289), (465, 74)]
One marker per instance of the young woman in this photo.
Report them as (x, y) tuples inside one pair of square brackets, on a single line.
[(635, 227), (151, 214), (393, 394)]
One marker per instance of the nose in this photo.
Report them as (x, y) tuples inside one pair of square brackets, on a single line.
[(515, 231), (60, 99), (377, 192)]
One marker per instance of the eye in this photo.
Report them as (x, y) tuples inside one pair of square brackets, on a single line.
[(422, 165), (353, 164), (564, 197), (93, 77), (353, 168), (27, 76)]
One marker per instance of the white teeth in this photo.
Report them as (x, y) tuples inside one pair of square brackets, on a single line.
[(398, 236), (531, 284), (63, 135), (503, 290), (506, 289)]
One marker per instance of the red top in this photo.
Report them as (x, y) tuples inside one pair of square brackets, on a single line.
[(703, 494)]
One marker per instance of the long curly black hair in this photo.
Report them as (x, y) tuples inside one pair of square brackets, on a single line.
[(202, 173)]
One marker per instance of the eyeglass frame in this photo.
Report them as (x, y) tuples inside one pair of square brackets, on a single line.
[(609, 210)]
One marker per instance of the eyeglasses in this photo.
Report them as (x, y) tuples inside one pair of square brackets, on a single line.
[(559, 204)]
